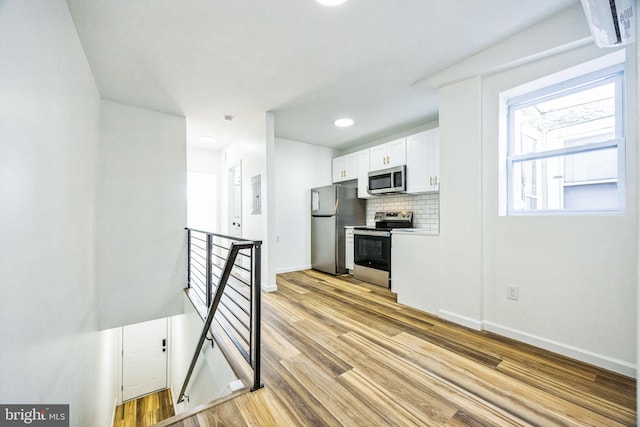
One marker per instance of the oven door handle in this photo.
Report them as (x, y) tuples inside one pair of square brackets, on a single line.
[(371, 233)]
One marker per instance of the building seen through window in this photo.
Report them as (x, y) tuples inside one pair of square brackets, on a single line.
[(566, 147)]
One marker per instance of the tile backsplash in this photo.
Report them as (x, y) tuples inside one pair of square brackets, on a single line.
[(425, 207)]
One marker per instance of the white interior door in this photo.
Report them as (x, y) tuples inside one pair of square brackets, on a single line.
[(144, 358), (235, 201)]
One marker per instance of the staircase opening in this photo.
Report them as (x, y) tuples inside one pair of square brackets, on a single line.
[(213, 347), (223, 297)]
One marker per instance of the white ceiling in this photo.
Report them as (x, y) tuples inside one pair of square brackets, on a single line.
[(307, 63)]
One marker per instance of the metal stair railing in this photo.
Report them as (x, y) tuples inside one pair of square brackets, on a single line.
[(213, 301)]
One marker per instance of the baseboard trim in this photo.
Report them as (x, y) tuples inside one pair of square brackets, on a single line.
[(461, 320), (113, 411), (600, 360), (292, 269), (269, 288)]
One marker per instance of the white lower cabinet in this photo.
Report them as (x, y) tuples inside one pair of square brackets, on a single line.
[(348, 248), (415, 270)]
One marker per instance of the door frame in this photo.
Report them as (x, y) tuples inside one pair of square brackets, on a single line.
[(121, 359)]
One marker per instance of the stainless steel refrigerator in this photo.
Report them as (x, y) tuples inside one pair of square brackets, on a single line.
[(332, 208)]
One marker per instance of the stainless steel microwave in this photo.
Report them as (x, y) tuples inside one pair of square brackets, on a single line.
[(392, 180)]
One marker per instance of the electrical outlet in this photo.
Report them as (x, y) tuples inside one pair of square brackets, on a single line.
[(513, 292)]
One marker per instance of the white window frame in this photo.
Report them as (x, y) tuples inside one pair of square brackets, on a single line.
[(614, 73)]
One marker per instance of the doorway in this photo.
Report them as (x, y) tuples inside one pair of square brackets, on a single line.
[(235, 200), (202, 201), (144, 358)]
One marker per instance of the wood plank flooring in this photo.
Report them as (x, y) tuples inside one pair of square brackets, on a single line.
[(145, 411), (337, 351)]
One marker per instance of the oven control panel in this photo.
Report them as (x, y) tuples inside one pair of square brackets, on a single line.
[(394, 216)]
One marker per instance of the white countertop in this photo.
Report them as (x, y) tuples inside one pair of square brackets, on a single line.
[(415, 231)]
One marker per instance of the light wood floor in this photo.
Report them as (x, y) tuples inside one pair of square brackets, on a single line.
[(340, 352), (145, 411)]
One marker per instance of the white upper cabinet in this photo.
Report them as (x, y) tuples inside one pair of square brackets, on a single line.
[(345, 168), (378, 157), (397, 152), (423, 162), (420, 152), (388, 155), (363, 174)]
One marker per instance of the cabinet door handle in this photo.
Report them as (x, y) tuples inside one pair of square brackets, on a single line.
[(436, 180)]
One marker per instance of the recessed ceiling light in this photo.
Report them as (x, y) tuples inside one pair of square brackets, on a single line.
[(343, 123), (330, 2)]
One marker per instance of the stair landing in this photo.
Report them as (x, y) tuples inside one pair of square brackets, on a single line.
[(145, 411)]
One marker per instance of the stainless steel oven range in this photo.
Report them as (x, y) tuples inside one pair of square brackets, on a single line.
[(372, 247)]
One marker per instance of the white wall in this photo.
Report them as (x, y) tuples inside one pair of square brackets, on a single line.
[(49, 114), (270, 205), (203, 201), (637, 323), (212, 374), (141, 214), (251, 153), (284, 225), (253, 160), (203, 189), (461, 203), (577, 274), (203, 160), (107, 374), (401, 133), (298, 168)]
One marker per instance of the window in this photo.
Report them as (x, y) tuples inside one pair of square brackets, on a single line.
[(565, 150)]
